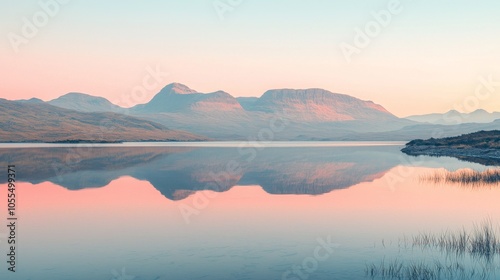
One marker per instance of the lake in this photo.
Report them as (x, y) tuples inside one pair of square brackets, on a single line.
[(231, 210)]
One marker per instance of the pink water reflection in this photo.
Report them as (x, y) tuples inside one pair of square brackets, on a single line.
[(407, 206)]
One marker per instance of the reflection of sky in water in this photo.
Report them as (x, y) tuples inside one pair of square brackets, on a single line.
[(245, 232)]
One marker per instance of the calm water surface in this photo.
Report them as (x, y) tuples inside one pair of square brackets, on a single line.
[(324, 210)]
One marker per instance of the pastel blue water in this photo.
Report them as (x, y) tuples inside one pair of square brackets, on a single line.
[(123, 244)]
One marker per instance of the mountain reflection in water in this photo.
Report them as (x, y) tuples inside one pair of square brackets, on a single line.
[(179, 171)]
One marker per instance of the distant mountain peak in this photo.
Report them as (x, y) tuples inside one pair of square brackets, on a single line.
[(480, 111), (317, 104), (177, 88), (84, 103), (32, 100), (78, 96), (179, 98), (453, 117), (222, 93)]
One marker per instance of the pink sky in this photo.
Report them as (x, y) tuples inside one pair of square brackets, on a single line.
[(424, 61)]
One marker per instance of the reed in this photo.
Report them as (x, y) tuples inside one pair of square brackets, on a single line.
[(464, 176), (483, 241), (401, 270)]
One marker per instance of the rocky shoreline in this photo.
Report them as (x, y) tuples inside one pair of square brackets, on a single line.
[(481, 147), (478, 155)]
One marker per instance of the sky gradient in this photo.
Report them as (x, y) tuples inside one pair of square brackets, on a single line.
[(428, 58)]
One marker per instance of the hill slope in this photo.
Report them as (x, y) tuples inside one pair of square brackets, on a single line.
[(40, 122)]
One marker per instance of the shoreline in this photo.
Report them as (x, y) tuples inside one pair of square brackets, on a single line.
[(484, 156), (480, 147), (215, 144)]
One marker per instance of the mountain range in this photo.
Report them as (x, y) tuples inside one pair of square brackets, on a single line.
[(453, 117), (179, 113), (85, 103)]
